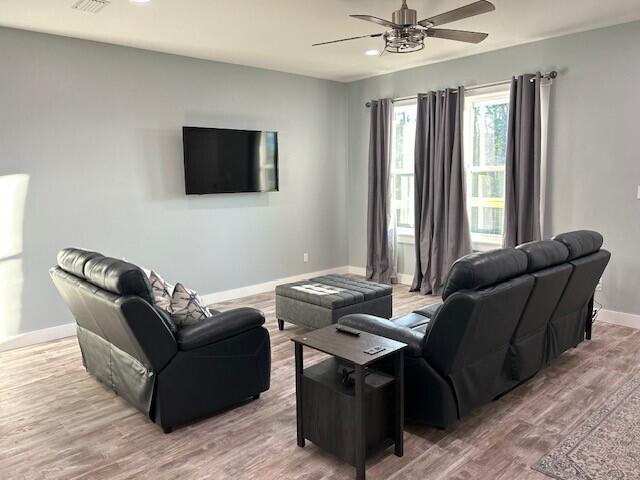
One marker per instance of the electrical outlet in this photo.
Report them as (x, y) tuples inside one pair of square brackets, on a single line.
[(305, 257)]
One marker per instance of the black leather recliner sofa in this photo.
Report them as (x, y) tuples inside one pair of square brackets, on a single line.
[(172, 375), (505, 314)]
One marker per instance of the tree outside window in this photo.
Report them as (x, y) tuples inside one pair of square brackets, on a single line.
[(485, 143)]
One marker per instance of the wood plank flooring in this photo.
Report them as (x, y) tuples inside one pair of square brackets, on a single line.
[(57, 422)]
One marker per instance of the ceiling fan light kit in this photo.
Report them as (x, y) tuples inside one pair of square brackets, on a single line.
[(403, 40), (406, 34)]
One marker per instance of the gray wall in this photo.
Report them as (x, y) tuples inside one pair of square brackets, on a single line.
[(594, 164), (97, 130), (91, 155)]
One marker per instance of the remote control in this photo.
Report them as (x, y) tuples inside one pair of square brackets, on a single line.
[(348, 330), (374, 350)]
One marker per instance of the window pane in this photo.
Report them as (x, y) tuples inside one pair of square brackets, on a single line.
[(492, 134), (404, 199), (486, 123), (404, 131), (474, 219), (491, 220), (405, 134), (487, 184)]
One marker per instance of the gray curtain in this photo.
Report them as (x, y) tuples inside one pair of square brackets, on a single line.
[(524, 146), (441, 224), (381, 265)]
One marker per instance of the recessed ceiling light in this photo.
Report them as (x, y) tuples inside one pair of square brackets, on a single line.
[(139, 1), (372, 52)]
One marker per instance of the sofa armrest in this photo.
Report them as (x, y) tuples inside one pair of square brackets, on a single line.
[(219, 327), (386, 328)]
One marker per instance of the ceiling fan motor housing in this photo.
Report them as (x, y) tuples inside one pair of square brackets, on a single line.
[(405, 16)]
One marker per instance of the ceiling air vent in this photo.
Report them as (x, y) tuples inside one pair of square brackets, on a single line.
[(91, 6)]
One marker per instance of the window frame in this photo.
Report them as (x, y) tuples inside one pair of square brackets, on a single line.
[(403, 234), (480, 241)]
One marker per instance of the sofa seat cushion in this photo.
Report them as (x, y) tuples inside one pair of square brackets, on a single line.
[(389, 329), (411, 320), (422, 329), (430, 310)]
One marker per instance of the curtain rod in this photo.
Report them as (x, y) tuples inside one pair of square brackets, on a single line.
[(546, 76)]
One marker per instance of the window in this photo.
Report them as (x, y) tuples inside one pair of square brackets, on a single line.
[(402, 153), (485, 147)]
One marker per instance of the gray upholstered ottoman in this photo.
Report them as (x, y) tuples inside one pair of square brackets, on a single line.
[(321, 301)]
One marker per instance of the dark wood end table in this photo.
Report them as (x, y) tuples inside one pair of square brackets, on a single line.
[(350, 421)]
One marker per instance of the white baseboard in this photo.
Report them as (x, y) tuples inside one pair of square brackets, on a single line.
[(403, 278), (619, 318), (69, 329), (38, 336), (265, 287), (357, 270)]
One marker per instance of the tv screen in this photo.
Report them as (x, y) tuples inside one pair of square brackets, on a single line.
[(218, 160)]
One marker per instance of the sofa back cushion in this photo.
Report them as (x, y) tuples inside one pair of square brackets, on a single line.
[(481, 270), (529, 346), (580, 242), (568, 322), (543, 254), (119, 277), (111, 274), (73, 260), (468, 341), (112, 299), (547, 263)]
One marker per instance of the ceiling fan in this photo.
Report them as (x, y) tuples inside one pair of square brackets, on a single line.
[(406, 34)]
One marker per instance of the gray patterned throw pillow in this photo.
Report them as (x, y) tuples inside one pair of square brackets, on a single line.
[(162, 291), (187, 308)]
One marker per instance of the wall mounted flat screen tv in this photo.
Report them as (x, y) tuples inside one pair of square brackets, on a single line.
[(219, 160)]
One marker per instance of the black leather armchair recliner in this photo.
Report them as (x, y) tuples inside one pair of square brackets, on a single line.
[(172, 375), (505, 314)]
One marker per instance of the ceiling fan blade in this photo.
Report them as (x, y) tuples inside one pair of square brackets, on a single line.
[(373, 35), (458, 35), (471, 10), (379, 21)]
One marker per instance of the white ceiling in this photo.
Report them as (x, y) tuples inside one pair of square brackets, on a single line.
[(277, 34)]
